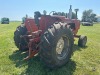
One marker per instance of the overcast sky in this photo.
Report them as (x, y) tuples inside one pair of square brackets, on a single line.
[(16, 9)]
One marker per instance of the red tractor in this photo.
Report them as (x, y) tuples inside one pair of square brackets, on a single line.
[(51, 36)]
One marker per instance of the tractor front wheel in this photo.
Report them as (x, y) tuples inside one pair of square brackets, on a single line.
[(82, 41), (56, 45)]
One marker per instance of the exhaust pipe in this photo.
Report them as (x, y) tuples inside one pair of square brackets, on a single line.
[(70, 12)]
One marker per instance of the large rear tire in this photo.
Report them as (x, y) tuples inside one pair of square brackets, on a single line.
[(20, 43), (56, 45)]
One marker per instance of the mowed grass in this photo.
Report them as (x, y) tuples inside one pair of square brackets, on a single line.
[(84, 61)]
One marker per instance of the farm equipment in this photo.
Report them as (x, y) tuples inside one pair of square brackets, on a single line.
[(5, 20), (87, 23), (51, 36)]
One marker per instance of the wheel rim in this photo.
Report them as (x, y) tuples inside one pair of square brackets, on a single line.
[(62, 48)]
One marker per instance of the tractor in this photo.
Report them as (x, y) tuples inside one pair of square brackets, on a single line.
[(5, 20), (51, 36)]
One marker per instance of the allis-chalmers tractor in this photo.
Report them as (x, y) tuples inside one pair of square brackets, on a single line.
[(51, 36)]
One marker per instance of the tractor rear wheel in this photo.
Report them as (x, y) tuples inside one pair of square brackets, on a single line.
[(56, 45), (20, 42)]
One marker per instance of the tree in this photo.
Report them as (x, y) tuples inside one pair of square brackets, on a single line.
[(59, 13), (88, 15), (65, 14), (93, 17), (73, 15)]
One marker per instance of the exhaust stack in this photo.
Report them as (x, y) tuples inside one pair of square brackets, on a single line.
[(70, 12)]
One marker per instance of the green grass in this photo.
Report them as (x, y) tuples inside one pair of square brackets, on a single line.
[(84, 61)]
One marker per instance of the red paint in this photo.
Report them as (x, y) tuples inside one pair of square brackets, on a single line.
[(45, 22)]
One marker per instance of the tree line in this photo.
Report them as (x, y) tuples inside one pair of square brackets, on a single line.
[(65, 14), (87, 15), (74, 14)]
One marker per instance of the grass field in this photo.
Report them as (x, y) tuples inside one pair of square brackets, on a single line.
[(84, 61)]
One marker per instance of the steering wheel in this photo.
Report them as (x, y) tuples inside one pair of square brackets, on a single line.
[(52, 12)]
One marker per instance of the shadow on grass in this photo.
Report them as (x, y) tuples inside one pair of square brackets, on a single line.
[(77, 48), (17, 57), (35, 66)]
